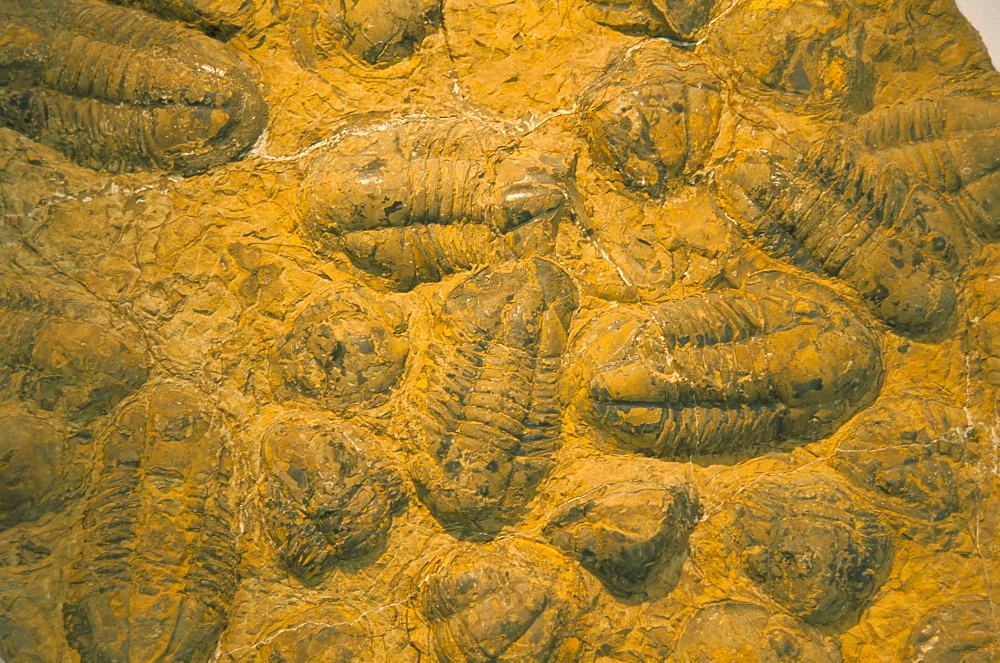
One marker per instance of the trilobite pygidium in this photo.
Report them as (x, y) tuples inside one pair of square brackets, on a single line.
[(483, 419), (835, 210), (117, 89), (322, 501), (731, 371), (677, 19), (156, 571), (416, 199), (652, 116), (951, 144)]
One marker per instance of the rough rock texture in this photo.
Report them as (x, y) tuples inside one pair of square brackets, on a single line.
[(498, 330)]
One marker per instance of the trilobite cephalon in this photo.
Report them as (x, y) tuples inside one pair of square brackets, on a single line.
[(732, 371), (838, 211), (323, 503), (951, 144), (62, 353), (156, 573), (341, 352), (652, 116), (809, 546), (483, 419), (507, 602), (415, 199), (117, 89)]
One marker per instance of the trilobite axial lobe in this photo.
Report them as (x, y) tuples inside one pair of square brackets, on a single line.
[(726, 372), (117, 89)]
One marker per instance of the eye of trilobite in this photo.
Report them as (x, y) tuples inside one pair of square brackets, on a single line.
[(523, 203)]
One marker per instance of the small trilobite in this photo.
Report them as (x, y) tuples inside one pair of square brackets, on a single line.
[(832, 210), (963, 631), (416, 199), (726, 372), (652, 116), (117, 89), (951, 144), (512, 601), (483, 419), (322, 501), (341, 352), (805, 542), (156, 572), (677, 19)]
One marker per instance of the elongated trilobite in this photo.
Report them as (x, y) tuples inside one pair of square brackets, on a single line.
[(833, 211), (323, 502), (484, 419), (729, 371), (340, 352), (963, 630), (416, 199), (805, 543), (951, 144), (653, 116), (677, 19), (62, 359), (156, 572), (117, 89), (512, 601)]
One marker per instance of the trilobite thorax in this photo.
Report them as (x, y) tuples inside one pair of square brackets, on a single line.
[(483, 420)]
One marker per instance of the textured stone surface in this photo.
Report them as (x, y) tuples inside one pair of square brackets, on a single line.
[(479, 330)]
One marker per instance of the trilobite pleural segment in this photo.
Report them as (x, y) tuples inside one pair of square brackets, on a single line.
[(807, 544), (653, 117), (341, 352), (858, 219), (323, 502), (60, 354), (483, 420), (733, 371), (962, 630), (117, 89), (415, 200), (518, 601), (951, 144), (625, 533), (156, 571), (677, 19)]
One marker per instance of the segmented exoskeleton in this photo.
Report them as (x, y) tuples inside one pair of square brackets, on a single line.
[(323, 502), (419, 198), (833, 210), (484, 419), (156, 572), (117, 89), (951, 144), (727, 372)]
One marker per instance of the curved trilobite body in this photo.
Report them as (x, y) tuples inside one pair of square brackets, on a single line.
[(733, 371), (341, 352), (156, 572), (413, 200), (625, 533), (806, 544), (677, 19), (63, 360), (117, 89), (484, 419), (831, 210), (515, 601), (951, 144), (323, 502), (962, 631), (653, 117)]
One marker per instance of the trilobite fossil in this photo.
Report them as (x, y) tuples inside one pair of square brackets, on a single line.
[(653, 116), (331, 635), (156, 571), (809, 546), (832, 210), (416, 199), (963, 630), (732, 371), (117, 89), (677, 19), (322, 501), (220, 19), (483, 420), (507, 602), (951, 144)]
